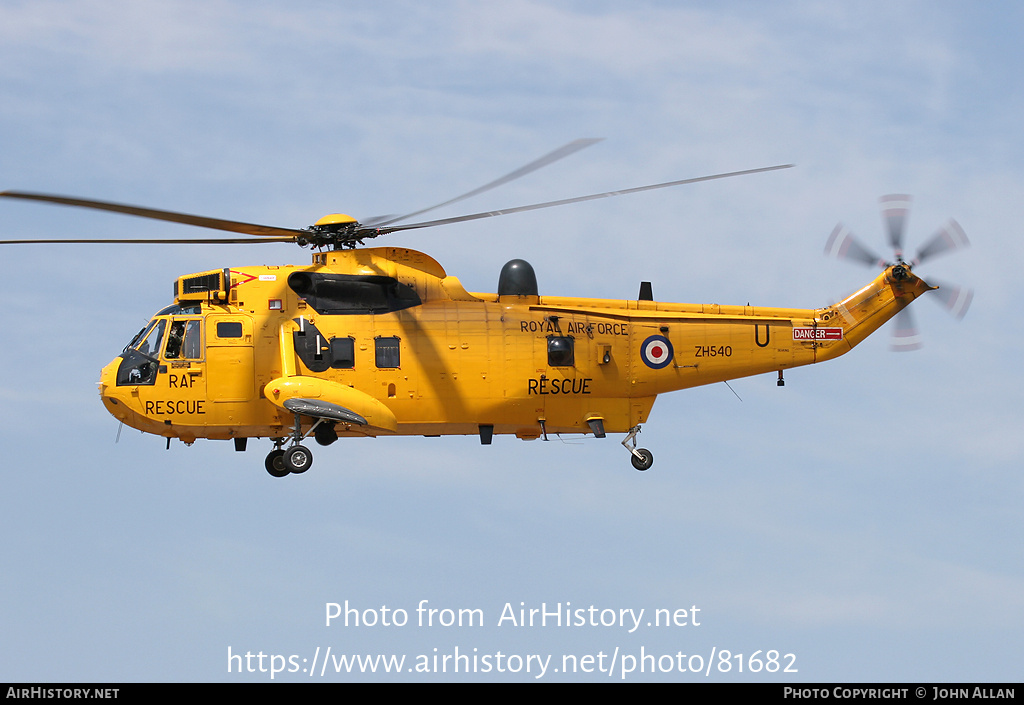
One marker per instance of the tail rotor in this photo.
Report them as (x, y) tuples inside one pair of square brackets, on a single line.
[(843, 244)]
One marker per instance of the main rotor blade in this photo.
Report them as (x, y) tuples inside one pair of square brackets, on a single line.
[(560, 153), (951, 237), (378, 219), (894, 211), (578, 199), (155, 214), (158, 241), (842, 244)]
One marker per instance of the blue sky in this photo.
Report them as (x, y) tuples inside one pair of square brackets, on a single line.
[(865, 517)]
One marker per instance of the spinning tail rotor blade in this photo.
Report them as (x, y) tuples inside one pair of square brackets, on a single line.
[(951, 237), (956, 299), (894, 212), (905, 336), (842, 244)]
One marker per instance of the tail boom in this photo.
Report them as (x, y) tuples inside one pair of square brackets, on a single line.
[(867, 310), (733, 342)]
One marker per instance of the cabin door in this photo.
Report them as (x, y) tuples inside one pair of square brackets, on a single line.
[(230, 372)]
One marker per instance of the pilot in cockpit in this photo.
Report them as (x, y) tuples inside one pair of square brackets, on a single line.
[(174, 339)]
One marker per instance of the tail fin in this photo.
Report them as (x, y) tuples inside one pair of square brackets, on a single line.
[(862, 313)]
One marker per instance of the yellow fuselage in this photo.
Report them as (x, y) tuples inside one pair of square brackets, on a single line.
[(414, 353)]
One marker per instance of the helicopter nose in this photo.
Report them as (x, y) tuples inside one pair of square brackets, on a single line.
[(109, 390), (107, 377)]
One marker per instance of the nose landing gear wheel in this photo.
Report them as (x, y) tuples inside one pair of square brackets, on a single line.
[(298, 459), (645, 461), (275, 463)]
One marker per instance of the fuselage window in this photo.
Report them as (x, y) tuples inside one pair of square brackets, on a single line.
[(343, 353), (229, 329), (388, 352), (561, 351)]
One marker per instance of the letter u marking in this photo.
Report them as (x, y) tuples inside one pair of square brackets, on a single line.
[(757, 335)]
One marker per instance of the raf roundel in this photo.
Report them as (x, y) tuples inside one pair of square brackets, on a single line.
[(656, 352)]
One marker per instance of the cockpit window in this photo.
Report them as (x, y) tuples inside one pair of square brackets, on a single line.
[(193, 347), (174, 340), (152, 339), (184, 340), (176, 310), (140, 362), (180, 339)]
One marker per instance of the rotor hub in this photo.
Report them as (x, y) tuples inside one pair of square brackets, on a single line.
[(335, 231)]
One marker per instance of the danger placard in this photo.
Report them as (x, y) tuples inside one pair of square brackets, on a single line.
[(817, 334)]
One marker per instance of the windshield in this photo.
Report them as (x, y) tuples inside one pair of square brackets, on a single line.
[(139, 361), (151, 338)]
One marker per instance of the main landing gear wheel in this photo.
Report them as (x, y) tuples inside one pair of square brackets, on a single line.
[(275, 463), (641, 458), (298, 459)]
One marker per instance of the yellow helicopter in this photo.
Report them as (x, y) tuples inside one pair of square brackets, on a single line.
[(382, 341)]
